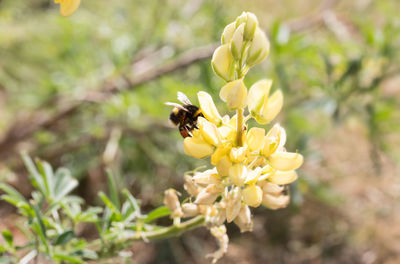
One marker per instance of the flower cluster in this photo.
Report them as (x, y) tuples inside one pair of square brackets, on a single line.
[(250, 166), (68, 7)]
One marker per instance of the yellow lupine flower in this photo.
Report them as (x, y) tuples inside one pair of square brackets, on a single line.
[(208, 108), (252, 195), (197, 147), (238, 174), (234, 94), (209, 131), (275, 201), (255, 138), (68, 7), (223, 166), (283, 177), (237, 154), (286, 161), (274, 140)]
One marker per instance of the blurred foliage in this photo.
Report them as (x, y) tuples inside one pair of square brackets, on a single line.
[(340, 73)]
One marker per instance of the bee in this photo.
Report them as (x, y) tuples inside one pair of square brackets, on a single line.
[(184, 116)]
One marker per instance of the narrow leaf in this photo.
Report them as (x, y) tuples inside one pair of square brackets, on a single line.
[(157, 213)]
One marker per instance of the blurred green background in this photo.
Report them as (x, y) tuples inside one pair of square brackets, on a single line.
[(87, 92)]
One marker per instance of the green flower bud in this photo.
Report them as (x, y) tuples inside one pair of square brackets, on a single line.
[(241, 19), (236, 44), (251, 26), (227, 34), (223, 63), (259, 48)]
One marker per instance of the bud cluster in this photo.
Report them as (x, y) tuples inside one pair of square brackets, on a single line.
[(250, 167)]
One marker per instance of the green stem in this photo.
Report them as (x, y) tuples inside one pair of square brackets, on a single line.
[(239, 128), (163, 233)]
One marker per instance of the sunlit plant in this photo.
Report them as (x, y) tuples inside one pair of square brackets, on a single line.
[(249, 167)]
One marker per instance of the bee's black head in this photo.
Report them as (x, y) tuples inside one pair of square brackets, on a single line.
[(175, 116)]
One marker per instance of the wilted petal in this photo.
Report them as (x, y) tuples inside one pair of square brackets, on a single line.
[(209, 131), (252, 195), (223, 64), (283, 177), (243, 220), (190, 186), (207, 177), (234, 94), (233, 203), (219, 232), (238, 174), (190, 209), (275, 202), (172, 202), (208, 108), (197, 147), (286, 161), (255, 138), (209, 194)]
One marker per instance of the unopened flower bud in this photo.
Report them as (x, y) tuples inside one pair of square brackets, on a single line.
[(251, 26), (241, 19), (172, 202), (283, 177), (208, 108), (238, 174), (237, 155), (243, 220), (252, 195), (275, 202), (209, 131), (286, 161), (190, 209), (233, 203), (227, 34), (197, 147), (255, 138), (236, 43), (209, 194), (259, 48), (190, 186), (234, 94), (223, 64)]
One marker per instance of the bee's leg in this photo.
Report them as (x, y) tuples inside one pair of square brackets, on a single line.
[(184, 131)]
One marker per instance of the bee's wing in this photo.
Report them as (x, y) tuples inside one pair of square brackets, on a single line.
[(183, 98), (177, 106)]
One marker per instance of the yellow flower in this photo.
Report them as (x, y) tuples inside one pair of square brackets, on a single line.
[(208, 108), (286, 161), (238, 174), (197, 147), (274, 140), (234, 94), (283, 177), (263, 107), (209, 131), (252, 195), (255, 138), (68, 7), (223, 64)]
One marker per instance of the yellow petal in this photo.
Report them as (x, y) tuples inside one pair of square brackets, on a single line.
[(223, 166), (223, 64), (252, 176), (266, 172), (252, 195), (255, 138), (258, 95), (68, 7), (221, 151), (238, 174), (237, 155), (209, 131), (273, 106), (274, 140), (208, 108), (197, 147), (283, 177), (236, 44), (227, 34), (234, 94), (259, 48), (286, 161)]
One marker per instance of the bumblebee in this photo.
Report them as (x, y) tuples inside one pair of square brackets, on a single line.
[(184, 116)]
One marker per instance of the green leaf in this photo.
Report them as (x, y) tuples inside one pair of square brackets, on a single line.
[(47, 174), (36, 178), (109, 204), (132, 201), (113, 188), (64, 256), (64, 238), (8, 237), (40, 228), (64, 183), (157, 213), (13, 194)]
